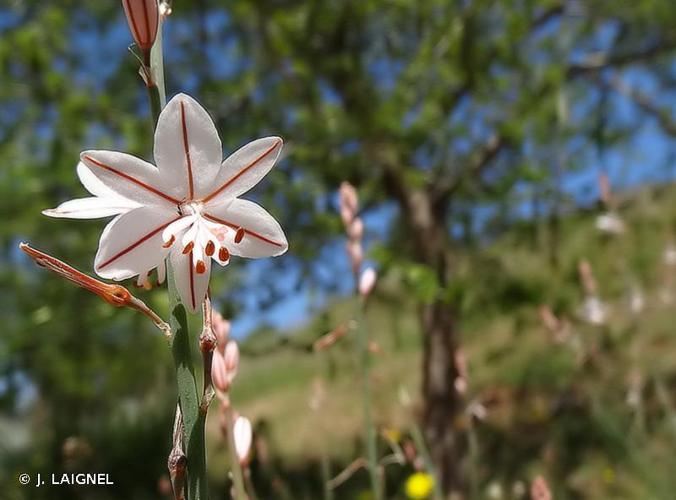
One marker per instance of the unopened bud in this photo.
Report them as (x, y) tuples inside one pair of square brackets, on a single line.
[(348, 197), (115, 295), (143, 17), (219, 374), (243, 436), (587, 277), (221, 327), (367, 282), (326, 341), (539, 489), (224, 366), (356, 255), (231, 358), (356, 229), (346, 215)]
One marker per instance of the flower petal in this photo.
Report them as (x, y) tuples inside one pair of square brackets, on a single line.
[(127, 176), (263, 236), (243, 169), (91, 208), (191, 286), (132, 243), (187, 147)]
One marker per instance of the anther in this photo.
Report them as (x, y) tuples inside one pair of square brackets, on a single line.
[(210, 248), (200, 267), (170, 242), (239, 235), (223, 254), (188, 248)]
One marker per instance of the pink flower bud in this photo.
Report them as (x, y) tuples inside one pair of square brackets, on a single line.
[(367, 282), (356, 229), (356, 255), (221, 328), (142, 16), (346, 215), (587, 277), (219, 374), (231, 358), (539, 489), (224, 366), (243, 437), (348, 197)]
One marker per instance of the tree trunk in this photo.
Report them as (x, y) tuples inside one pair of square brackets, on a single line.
[(442, 402)]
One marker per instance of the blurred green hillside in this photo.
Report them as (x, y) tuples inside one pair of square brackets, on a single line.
[(594, 413)]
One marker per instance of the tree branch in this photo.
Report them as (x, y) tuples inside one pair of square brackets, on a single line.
[(642, 101), (601, 60)]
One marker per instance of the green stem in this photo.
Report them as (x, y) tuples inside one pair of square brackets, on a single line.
[(420, 444), (155, 103), (371, 437), (188, 394), (235, 467)]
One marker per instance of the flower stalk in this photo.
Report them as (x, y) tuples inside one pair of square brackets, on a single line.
[(193, 420), (177, 460), (228, 414), (363, 285)]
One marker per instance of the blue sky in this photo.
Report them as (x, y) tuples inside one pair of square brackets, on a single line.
[(646, 158)]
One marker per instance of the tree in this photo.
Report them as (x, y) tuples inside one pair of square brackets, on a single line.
[(432, 106)]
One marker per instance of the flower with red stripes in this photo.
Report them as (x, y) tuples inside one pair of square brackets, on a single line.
[(186, 209), (143, 18)]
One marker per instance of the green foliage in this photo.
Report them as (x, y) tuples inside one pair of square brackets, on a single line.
[(373, 92)]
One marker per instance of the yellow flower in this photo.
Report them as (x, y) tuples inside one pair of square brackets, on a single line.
[(419, 486), (392, 433)]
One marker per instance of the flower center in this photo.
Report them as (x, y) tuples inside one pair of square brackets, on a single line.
[(197, 236), (190, 208)]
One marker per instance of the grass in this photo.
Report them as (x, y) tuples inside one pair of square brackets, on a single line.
[(552, 409)]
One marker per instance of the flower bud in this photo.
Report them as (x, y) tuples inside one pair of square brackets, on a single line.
[(348, 197), (224, 365), (219, 374), (346, 215), (539, 489), (243, 437), (221, 328), (231, 358), (327, 340), (367, 282), (142, 16), (587, 277), (356, 229), (356, 255)]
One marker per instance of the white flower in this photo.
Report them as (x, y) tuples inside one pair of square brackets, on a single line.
[(243, 436), (669, 255), (187, 208), (610, 223), (593, 310)]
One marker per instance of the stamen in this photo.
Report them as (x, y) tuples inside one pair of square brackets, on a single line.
[(200, 267), (210, 248), (188, 248), (239, 235), (170, 242), (223, 254)]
